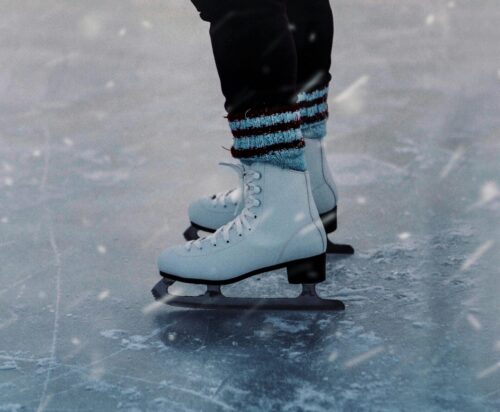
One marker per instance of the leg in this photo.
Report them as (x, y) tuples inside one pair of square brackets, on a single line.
[(311, 24), (255, 56), (278, 226), (309, 36), (254, 52)]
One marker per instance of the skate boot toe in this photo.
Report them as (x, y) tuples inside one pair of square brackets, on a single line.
[(170, 260), (177, 263)]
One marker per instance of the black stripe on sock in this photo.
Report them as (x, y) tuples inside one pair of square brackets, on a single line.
[(315, 119)]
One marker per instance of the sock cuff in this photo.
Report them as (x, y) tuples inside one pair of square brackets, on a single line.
[(293, 159), (313, 108), (270, 135), (318, 93), (253, 119), (314, 130)]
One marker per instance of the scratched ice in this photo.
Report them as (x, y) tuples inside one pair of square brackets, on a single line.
[(111, 121)]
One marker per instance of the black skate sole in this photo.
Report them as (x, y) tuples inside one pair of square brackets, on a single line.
[(329, 220), (214, 299)]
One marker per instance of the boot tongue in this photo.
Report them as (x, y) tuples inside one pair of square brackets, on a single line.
[(235, 195), (256, 167)]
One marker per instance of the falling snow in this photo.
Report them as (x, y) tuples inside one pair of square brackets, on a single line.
[(404, 235), (430, 19), (112, 122), (147, 24)]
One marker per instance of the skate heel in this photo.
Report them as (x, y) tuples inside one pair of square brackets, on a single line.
[(329, 220), (309, 270)]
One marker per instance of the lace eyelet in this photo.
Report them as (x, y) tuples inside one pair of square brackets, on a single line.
[(227, 241), (255, 217), (240, 235), (225, 206)]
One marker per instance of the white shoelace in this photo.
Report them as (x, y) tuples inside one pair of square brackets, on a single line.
[(222, 198), (240, 222)]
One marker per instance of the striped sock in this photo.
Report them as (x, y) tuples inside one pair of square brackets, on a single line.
[(270, 136), (314, 113)]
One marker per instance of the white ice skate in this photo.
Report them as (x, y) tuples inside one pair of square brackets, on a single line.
[(209, 213), (278, 227)]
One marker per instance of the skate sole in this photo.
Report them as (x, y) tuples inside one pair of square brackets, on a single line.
[(214, 299), (329, 220)]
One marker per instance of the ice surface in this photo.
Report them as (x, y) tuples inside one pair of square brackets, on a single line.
[(111, 121)]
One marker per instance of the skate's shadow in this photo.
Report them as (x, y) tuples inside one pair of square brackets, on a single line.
[(191, 330)]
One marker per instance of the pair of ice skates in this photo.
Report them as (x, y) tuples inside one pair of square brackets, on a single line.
[(279, 218)]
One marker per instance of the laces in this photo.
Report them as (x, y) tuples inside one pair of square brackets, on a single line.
[(242, 221), (223, 197)]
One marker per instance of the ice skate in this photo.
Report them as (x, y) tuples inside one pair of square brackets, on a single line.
[(209, 213), (278, 227)]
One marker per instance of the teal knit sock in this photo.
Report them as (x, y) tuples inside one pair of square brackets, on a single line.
[(314, 113), (271, 135)]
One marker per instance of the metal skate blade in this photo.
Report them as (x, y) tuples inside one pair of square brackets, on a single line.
[(214, 299), (339, 249)]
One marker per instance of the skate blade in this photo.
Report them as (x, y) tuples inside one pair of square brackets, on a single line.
[(339, 249), (191, 233), (213, 298)]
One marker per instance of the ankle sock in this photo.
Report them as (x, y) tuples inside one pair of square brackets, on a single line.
[(314, 112), (269, 135)]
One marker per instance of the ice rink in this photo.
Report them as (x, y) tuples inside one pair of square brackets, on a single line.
[(112, 121)]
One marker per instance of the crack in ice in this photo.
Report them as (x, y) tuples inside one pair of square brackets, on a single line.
[(55, 332)]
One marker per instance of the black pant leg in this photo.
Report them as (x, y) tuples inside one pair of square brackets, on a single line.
[(254, 52), (311, 24)]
